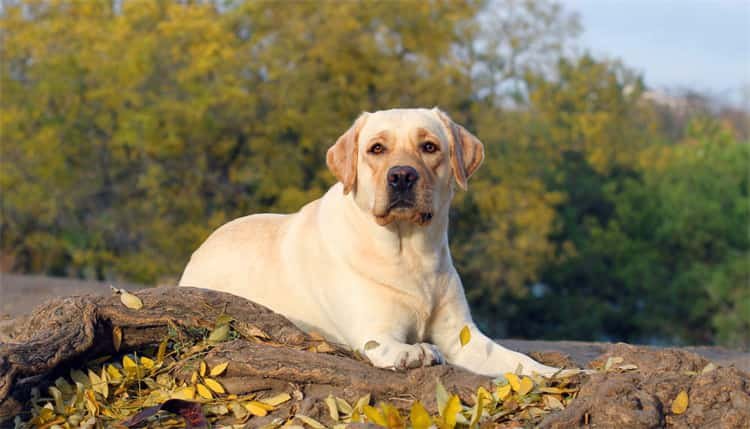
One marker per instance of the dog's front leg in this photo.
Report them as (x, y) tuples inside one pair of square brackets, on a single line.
[(480, 355)]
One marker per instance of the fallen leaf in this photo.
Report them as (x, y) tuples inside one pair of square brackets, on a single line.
[(552, 403), (344, 406), (203, 368), (375, 416), (130, 300), (117, 338), (255, 408), (420, 418), (525, 386), (213, 385), (441, 396), (310, 421), (708, 368), (333, 409), (502, 392), (451, 411), (187, 393), (680, 403), (371, 345), (147, 362), (465, 336), (219, 334), (514, 381), (203, 391), (276, 400), (219, 369), (162, 352)]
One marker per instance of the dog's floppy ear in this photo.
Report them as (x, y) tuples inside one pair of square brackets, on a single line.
[(467, 152), (342, 156)]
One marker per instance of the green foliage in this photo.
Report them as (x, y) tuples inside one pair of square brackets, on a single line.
[(130, 131)]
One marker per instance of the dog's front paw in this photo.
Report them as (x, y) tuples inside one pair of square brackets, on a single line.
[(418, 355), (401, 356)]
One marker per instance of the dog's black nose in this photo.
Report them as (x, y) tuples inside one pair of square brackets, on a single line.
[(402, 178)]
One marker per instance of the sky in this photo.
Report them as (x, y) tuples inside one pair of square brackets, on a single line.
[(698, 44)]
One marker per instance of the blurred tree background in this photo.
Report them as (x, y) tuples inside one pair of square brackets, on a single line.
[(132, 128)]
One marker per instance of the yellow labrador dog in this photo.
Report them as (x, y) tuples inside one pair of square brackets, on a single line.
[(368, 264)]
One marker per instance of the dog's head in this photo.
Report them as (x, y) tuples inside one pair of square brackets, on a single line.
[(401, 163)]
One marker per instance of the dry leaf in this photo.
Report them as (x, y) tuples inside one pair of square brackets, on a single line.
[(553, 403), (451, 410), (162, 352), (344, 406), (333, 409), (213, 385), (374, 415), (130, 300), (680, 403), (219, 334), (203, 391), (219, 369), (502, 392), (514, 381), (372, 344), (420, 418), (255, 408), (276, 400), (525, 386), (203, 368), (187, 393), (147, 362), (117, 338), (310, 421), (465, 336)]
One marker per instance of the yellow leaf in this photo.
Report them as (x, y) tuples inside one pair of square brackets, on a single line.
[(117, 338), (187, 393), (374, 415), (203, 368), (451, 410), (219, 369), (343, 406), (333, 409), (162, 352), (525, 386), (98, 384), (310, 421), (131, 301), (214, 385), (129, 365), (91, 405), (203, 391), (680, 403), (256, 408), (361, 402), (502, 392), (147, 363), (465, 336), (513, 380), (553, 403), (114, 373), (276, 400), (393, 418), (420, 418)]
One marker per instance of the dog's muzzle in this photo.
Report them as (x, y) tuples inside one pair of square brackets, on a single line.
[(401, 183)]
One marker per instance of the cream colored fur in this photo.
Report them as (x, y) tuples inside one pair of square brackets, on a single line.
[(346, 267)]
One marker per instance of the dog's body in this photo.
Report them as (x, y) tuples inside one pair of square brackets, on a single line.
[(368, 264)]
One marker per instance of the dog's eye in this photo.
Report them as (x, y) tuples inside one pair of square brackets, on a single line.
[(429, 147), (377, 149)]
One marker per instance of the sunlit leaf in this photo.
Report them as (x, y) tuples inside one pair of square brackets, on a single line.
[(213, 385), (147, 362), (256, 408), (465, 336), (420, 418), (514, 381), (680, 403), (441, 396), (203, 391), (451, 410), (503, 391), (276, 400), (202, 369), (130, 300), (219, 369), (310, 421), (333, 409), (525, 386), (187, 393), (162, 352), (374, 415)]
